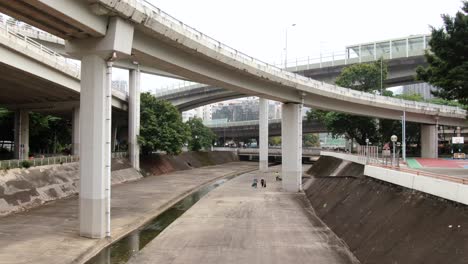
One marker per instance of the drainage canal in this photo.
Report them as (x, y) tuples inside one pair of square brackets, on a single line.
[(122, 250)]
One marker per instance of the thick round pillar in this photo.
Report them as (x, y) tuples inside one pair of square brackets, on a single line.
[(21, 134), (263, 134), (429, 141), (134, 118), (291, 146), (94, 148)]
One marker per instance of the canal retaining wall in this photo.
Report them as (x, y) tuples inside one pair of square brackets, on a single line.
[(22, 189), (383, 222), (158, 164)]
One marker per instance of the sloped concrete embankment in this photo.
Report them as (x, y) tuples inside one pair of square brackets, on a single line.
[(384, 223), (22, 189), (158, 164)]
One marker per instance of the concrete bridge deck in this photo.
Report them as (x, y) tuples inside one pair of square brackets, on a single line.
[(236, 223), (49, 234)]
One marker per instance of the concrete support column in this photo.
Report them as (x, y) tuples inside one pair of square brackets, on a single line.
[(134, 118), (291, 145), (263, 134), (21, 134), (95, 146), (76, 131), (429, 141)]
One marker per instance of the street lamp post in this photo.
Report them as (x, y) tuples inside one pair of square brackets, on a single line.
[(403, 138), (367, 150), (394, 138), (286, 47)]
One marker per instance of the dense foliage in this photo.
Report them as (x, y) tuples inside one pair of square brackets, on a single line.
[(448, 58), (49, 134), (362, 77), (161, 126), (201, 136)]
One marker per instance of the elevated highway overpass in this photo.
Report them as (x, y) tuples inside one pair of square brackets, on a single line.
[(402, 55), (135, 32), (250, 129)]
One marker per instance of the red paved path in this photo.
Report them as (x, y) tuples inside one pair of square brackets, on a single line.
[(442, 163)]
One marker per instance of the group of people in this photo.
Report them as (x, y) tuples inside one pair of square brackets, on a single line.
[(262, 183)]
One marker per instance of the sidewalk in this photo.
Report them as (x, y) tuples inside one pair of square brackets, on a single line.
[(236, 223), (49, 234)]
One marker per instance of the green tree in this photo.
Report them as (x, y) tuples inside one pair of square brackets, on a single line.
[(447, 58), (364, 77), (353, 127), (202, 136), (48, 133), (310, 140), (274, 141), (161, 126)]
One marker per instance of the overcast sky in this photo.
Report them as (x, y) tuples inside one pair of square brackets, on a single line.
[(257, 27)]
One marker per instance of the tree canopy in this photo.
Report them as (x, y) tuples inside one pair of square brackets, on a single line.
[(448, 58), (161, 126), (201, 136), (364, 77)]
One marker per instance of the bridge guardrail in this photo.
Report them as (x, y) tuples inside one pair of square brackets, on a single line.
[(27, 44), (177, 26)]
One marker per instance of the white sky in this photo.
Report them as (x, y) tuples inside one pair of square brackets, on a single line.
[(257, 27)]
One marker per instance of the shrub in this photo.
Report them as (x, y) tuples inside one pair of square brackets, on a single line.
[(25, 164)]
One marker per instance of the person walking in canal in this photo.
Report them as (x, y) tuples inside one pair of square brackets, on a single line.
[(254, 184), (263, 183)]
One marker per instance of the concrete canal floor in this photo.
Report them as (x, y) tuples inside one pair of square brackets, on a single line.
[(236, 223), (49, 233)]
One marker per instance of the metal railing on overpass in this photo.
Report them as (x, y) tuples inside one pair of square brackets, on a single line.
[(22, 43), (14, 36), (240, 123), (410, 46)]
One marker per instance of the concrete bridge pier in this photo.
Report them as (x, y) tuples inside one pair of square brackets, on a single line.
[(291, 144), (134, 117), (97, 56), (76, 131), (263, 134), (94, 151), (429, 141), (21, 134)]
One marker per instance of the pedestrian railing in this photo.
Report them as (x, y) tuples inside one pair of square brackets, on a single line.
[(271, 151), (33, 162), (43, 161), (370, 155)]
